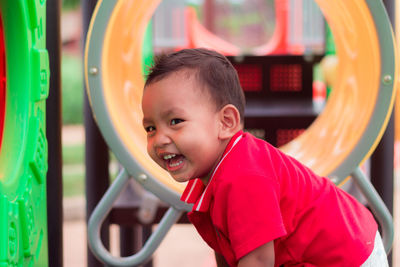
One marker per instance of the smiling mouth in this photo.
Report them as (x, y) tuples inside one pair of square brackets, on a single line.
[(173, 161)]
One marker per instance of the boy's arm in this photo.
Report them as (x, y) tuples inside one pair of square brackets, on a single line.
[(262, 256)]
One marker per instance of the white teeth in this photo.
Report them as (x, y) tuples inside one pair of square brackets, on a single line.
[(176, 164), (170, 156)]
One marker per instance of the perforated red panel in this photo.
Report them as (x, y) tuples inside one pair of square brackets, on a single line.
[(286, 78), (284, 136), (2, 80), (250, 76)]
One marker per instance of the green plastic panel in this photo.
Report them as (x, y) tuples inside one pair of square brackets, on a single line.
[(2, 81), (23, 154)]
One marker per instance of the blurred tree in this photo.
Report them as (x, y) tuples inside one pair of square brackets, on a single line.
[(70, 4), (72, 89)]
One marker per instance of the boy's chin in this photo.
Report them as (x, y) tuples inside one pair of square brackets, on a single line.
[(183, 180), (180, 179)]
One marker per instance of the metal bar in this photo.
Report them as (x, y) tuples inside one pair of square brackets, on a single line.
[(377, 206), (53, 133), (132, 239), (146, 234), (100, 213), (382, 165)]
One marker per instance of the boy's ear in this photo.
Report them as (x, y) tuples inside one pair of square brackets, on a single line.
[(230, 121)]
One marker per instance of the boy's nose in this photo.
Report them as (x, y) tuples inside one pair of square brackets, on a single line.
[(162, 139)]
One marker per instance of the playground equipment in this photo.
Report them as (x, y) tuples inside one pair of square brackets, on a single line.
[(24, 84), (3, 81), (340, 139), (290, 35)]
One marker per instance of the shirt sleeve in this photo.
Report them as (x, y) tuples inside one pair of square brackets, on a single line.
[(253, 215)]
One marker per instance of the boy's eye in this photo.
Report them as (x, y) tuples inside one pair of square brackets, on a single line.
[(149, 128), (176, 121)]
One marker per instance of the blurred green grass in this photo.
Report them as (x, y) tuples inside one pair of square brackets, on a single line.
[(72, 89), (72, 114), (73, 154), (73, 170)]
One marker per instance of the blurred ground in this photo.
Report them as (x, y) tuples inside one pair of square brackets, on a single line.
[(182, 246)]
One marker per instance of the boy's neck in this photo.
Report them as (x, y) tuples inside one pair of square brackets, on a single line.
[(224, 145)]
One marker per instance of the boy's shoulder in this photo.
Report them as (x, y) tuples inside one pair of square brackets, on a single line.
[(253, 158), (249, 157), (253, 153)]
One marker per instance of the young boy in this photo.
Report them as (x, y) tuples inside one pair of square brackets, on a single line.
[(253, 204)]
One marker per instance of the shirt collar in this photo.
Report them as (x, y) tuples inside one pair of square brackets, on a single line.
[(196, 192)]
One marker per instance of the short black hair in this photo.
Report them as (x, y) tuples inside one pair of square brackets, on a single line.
[(211, 68)]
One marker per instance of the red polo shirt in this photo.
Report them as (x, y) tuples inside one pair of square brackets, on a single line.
[(257, 194)]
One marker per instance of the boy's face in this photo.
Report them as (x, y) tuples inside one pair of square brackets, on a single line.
[(182, 126)]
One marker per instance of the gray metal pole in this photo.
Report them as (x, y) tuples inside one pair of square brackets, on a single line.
[(53, 133), (382, 166)]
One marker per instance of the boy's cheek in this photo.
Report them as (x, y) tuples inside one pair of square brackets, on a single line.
[(152, 156), (150, 153), (155, 158), (149, 150)]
